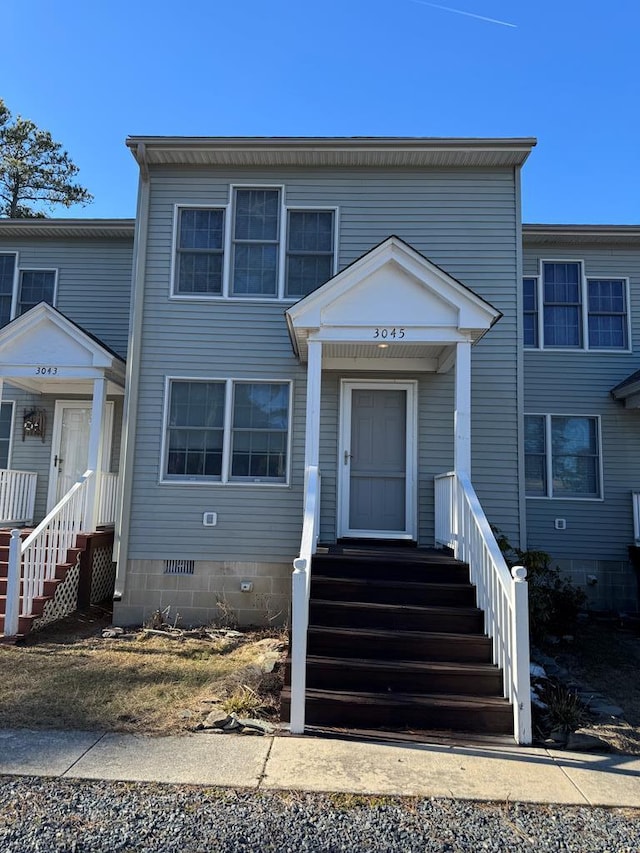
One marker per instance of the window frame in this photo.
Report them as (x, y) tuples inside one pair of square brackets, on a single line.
[(14, 284), (226, 480), (550, 496), (12, 424), (18, 289), (585, 278), (228, 209)]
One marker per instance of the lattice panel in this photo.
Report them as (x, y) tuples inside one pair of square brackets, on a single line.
[(64, 602), (103, 574)]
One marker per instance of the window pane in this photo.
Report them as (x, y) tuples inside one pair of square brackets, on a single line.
[(195, 432), (534, 434), (260, 427), (35, 286), (257, 215), (562, 327), (310, 231), (7, 270), (255, 270), (529, 294), (535, 475), (6, 414), (535, 458), (575, 475), (199, 273), (573, 435), (201, 229), (607, 314), (575, 464), (306, 273), (607, 332)]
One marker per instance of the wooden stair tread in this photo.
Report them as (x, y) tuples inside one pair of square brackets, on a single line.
[(390, 634), (417, 666), (390, 584), (380, 607), (427, 700)]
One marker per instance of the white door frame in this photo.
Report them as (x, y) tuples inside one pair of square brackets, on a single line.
[(344, 450), (107, 434)]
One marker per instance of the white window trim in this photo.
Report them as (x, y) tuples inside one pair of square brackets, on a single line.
[(227, 208), (225, 478), (549, 457), (18, 286), (11, 403), (16, 278), (584, 308)]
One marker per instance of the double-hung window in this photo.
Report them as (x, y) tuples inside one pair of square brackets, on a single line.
[(35, 286), (565, 309), (562, 456), (254, 248), (227, 431), (6, 421), (8, 262)]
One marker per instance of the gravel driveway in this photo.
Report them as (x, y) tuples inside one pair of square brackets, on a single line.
[(60, 816)]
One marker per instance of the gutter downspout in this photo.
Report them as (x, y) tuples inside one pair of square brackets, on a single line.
[(520, 390), (130, 409)]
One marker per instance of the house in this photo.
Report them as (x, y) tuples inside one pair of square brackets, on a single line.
[(336, 339)]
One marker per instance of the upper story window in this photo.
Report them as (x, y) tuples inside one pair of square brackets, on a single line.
[(23, 289), (565, 309), (6, 421), (562, 456), (254, 248)]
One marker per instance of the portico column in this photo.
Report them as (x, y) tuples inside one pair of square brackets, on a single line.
[(94, 456), (462, 416), (314, 384)]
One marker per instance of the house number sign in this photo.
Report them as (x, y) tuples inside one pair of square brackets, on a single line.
[(46, 371), (394, 332)]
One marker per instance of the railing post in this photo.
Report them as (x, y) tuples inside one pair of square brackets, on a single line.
[(299, 620), (520, 662), (12, 610)]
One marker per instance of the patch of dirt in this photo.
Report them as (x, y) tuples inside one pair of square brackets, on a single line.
[(605, 659)]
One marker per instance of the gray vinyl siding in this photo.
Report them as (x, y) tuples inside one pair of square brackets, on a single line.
[(579, 382), (94, 282), (463, 220)]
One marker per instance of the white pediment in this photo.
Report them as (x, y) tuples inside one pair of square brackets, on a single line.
[(392, 286), (44, 336)]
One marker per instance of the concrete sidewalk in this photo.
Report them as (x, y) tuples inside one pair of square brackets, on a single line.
[(519, 774)]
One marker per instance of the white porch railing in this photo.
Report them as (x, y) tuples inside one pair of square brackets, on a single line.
[(17, 496), (301, 588), (35, 560), (502, 594), (107, 492)]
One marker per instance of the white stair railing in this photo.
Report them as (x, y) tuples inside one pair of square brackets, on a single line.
[(17, 496), (107, 492), (301, 588), (34, 561), (502, 593)]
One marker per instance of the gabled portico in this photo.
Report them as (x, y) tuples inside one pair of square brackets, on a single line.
[(45, 353), (391, 312)]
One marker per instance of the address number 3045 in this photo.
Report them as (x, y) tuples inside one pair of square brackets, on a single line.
[(388, 333)]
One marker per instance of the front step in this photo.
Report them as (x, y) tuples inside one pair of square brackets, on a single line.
[(401, 676), (349, 709), (395, 642)]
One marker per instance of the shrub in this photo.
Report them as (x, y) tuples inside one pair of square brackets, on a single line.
[(554, 601)]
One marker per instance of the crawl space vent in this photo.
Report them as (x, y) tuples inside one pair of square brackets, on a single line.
[(179, 567)]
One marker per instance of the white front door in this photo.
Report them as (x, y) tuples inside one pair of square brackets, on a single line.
[(377, 461), (70, 445)]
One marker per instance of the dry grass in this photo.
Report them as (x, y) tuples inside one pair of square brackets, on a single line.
[(147, 684), (608, 660)]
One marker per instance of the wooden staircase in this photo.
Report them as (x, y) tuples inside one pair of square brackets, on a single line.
[(396, 643), (25, 623)]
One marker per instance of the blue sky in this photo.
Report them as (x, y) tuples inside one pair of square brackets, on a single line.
[(567, 73)]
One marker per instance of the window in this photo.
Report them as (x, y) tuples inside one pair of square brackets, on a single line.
[(227, 431), (309, 250), (35, 286), (200, 246), (6, 420), (562, 456), (253, 249), (7, 278), (577, 312)]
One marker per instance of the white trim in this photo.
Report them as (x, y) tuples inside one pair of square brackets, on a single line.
[(584, 308), (549, 457), (177, 207), (344, 445), (107, 440), (225, 474)]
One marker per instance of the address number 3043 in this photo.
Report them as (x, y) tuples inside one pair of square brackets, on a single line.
[(388, 333)]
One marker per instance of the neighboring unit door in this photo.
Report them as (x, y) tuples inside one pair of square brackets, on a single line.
[(70, 445), (377, 453)]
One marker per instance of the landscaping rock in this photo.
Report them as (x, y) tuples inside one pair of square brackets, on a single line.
[(232, 725), (582, 742), (603, 710), (537, 671), (217, 718), (257, 725)]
